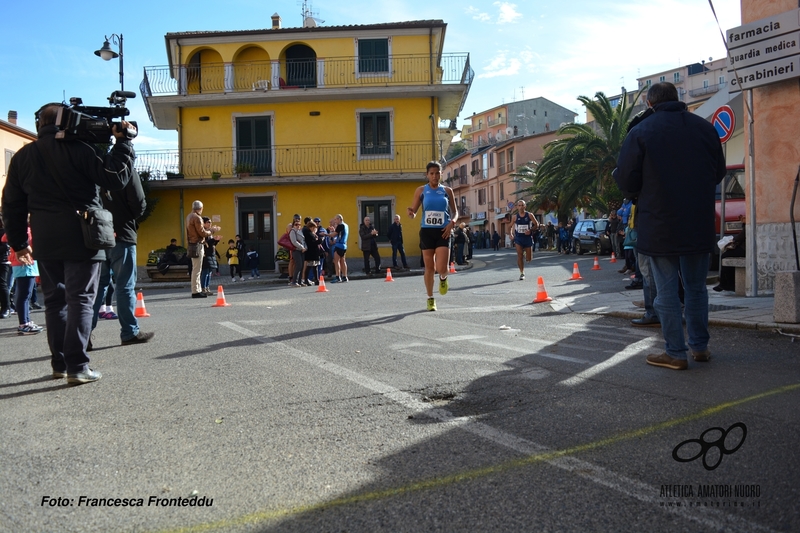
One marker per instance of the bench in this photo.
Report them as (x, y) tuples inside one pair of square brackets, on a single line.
[(175, 273), (738, 263)]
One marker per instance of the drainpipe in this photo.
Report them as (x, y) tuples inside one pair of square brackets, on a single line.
[(433, 129)]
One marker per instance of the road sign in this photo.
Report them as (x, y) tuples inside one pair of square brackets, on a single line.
[(724, 121)]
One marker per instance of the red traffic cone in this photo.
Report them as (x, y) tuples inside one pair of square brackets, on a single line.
[(613, 258), (140, 311), (452, 268), (389, 275), (596, 263), (541, 294), (575, 272), (322, 287), (221, 298)]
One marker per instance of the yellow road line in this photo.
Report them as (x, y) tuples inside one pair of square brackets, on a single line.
[(442, 481)]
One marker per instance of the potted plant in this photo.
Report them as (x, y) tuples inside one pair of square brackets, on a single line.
[(215, 176), (243, 169)]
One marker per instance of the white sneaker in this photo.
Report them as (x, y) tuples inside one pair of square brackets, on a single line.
[(522, 276)]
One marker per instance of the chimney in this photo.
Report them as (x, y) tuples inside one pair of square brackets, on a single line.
[(12, 117), (276, 22)]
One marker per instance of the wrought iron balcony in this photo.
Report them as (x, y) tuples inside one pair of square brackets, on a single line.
[(314, 73), (286, 160), (707, 90)]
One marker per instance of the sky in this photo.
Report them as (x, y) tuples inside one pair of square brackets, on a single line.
[(518, 49)]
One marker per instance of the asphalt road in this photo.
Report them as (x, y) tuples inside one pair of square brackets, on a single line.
[(356, 410)]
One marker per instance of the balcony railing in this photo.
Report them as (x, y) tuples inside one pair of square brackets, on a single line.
[(708, 90), (281, 74), (284, 160), (496, 121)]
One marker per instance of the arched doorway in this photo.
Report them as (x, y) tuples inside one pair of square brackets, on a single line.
[(301, 66)]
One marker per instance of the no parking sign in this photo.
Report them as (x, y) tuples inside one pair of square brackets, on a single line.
[(724, 121)]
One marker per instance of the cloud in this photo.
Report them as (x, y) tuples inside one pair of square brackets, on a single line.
[(478, 15), (501, 65), (508, 13)]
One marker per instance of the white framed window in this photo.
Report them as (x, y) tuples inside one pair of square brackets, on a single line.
[(374, 133)]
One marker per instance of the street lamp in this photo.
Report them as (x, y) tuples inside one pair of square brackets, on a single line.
[(107, 54)]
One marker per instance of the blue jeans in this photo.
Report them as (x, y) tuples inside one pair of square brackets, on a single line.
[(399, 248), (22, 293), (69, 289), (205, 277), (122, 262), (693, 269)]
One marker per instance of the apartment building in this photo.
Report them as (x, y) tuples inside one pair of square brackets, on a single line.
[(12, 138), (312, 120)]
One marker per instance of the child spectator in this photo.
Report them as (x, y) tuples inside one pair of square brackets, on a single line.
[(232, 253), (252, 262)]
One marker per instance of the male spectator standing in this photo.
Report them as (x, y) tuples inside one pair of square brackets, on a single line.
[(196, 233), (69, 270), (369, 245), (395, 235), (126, 206), (675, 159)]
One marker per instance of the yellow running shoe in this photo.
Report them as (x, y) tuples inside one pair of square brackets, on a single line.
[(431, 304), (443, 286)]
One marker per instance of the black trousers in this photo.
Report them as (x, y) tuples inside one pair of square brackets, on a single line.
[(5, 287), (373, 251), (69, 289)]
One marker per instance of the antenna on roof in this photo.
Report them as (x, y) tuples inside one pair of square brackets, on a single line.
[(309, 20)]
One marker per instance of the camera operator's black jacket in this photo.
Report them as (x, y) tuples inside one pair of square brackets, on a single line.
[(675, 159), (31, 188), (127, 205)]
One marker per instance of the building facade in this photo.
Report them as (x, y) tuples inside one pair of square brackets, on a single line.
[(314, 120), (12, 138)]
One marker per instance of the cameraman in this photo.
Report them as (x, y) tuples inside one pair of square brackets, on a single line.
[(69, 270)]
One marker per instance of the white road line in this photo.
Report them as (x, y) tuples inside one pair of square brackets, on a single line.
[(462, 338), (634, 349), (710, 518)]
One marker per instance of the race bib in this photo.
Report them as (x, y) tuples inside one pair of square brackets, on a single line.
[(522, 228), (434, 218)]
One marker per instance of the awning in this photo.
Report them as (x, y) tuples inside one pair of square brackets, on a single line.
[(478, 222), (498, 217)]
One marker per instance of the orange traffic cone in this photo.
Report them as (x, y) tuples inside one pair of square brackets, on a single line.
[(140, 311), (389, 275), (541, 294), (322, 287), (452, 268), (613, 258), (596, 263), (575, 272), (221, 298)]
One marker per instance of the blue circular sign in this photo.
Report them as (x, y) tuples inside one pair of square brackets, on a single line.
[(724, 121)]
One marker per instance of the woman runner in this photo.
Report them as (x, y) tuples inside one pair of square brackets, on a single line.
[(439, 214)]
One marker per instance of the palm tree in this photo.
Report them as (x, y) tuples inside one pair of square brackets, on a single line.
[(576, 168)]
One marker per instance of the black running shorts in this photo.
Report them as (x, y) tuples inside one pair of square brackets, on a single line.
[(431, 238)]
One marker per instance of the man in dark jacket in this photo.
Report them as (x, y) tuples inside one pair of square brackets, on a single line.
[(675, 159), (369, 245), (69, 270), (395, 235), (127, 206)]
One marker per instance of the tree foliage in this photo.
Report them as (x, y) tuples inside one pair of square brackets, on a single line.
[(575, 170), (149, 199)]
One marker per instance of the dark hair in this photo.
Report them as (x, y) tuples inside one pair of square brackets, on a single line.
[(662, 92), (231, 241), (206, 219), (306, 220), (46, 115), (433, 164)]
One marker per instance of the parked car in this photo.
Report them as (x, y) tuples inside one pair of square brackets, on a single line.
[(590, 235), (735, 206)]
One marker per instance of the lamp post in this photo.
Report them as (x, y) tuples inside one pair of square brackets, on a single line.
[(107, 54)]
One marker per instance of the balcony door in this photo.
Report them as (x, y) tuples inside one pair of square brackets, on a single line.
[(256, 229), (254, 146)]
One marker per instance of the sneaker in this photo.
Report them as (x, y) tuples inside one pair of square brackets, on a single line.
[(233, 280), (336, 280), (294, 285), (111, 315), (29, 329), (431, 304), (667, 362), (5, 314), (199, 295), (101, 315), (83, 377), (59, 374), (701, 357), (345, 279), (443, 286), (522, 277), (35, 305), (140, 338)]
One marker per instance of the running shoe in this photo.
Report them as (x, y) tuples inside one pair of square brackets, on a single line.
[(29, 329), (431, 304), (345, 279), (522, 277), (336, 280), (111, 315), (443, 286)]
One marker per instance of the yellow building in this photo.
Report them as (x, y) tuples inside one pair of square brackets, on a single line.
[(312, 120), (12, 138)]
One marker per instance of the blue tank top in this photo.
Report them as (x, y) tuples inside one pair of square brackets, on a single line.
[(435, 207), (342, 230), (521, 225)]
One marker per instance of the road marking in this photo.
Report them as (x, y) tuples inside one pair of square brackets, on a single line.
[(462, 338), (533, 454), (634, 349)]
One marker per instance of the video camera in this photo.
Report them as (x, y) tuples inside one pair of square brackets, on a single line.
[(93, 124)]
